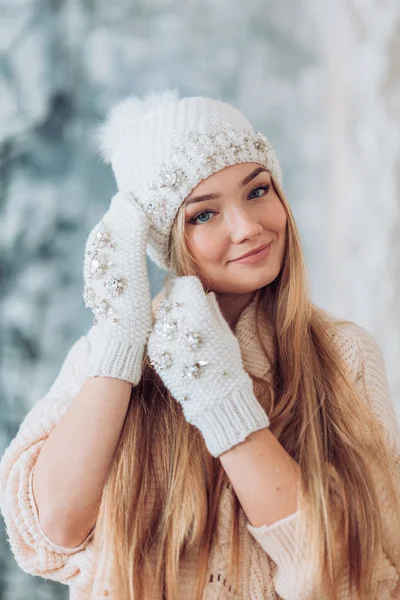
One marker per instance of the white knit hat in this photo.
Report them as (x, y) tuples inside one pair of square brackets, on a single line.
[(161, 147)]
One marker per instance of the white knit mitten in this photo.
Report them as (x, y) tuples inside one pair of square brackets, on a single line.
[(117, 290), (198, 357)]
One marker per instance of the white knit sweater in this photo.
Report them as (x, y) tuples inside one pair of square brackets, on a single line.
[(268, 551)]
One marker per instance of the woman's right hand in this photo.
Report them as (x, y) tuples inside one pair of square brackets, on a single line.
[(117, 289)]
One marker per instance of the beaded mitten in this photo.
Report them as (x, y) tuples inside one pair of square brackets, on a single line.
[(117, 290), (198, 357)]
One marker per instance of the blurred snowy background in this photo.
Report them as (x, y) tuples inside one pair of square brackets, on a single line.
[(321, 80)]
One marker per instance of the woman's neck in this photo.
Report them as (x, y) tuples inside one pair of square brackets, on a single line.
[(232, 305)]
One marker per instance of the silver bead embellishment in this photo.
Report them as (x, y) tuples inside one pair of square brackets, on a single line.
[(236, 148), (191, 339), (101, 310), (193, 369), (98, 265), (103, 239), (260, 143), (115, 285), (167, 328), (182, 398), (89, 297), (162, 360), (212, 160), (167, 176), (163, 309), (156, 207)]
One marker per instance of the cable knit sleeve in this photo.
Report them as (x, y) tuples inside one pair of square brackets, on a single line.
[(364, 359), (34, 552)]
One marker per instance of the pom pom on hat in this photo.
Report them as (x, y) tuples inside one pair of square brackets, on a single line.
[(124, 116)]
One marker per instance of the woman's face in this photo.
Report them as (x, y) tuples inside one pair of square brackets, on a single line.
[(240, 213)]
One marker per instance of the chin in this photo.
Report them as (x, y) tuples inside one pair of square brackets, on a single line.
[(241, 285)]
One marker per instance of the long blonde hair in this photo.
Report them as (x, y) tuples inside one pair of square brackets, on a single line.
[(161, 496)]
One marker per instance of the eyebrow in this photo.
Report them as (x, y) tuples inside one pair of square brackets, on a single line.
[(244, 182)]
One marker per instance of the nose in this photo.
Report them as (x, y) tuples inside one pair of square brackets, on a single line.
[(243, 226)]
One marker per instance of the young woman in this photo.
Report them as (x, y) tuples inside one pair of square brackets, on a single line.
[(229, 439)]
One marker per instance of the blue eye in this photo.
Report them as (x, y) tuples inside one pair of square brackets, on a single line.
[(265, 188), (205, 212)]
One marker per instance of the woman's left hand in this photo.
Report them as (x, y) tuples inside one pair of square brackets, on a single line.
[(197, 356)]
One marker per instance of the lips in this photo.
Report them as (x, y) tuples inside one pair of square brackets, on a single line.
[(251, 252)]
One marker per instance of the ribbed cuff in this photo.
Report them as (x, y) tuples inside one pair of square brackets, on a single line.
[(279, 540), (115, 358), (231, 420)]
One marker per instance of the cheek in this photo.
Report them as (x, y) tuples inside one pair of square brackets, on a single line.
[(280, 229), (203, 246), (276, 218), (282, 222)]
